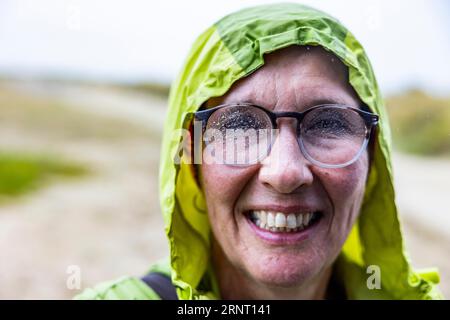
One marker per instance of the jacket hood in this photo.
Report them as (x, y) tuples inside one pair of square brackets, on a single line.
[(229, 50)]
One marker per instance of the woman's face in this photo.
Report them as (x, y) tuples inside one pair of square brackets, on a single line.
[(285, 183)]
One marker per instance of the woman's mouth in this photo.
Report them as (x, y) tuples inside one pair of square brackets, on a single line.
[(279, 227), (281, 222)]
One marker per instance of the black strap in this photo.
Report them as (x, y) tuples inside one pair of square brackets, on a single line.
[(161, 284)]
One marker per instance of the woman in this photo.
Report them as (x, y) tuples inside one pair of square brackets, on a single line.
[(310, 212)]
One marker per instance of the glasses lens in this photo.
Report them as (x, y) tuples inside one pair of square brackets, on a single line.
[(237, 135), (333, 135)]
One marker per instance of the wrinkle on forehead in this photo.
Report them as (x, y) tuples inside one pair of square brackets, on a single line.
[(294, 78)]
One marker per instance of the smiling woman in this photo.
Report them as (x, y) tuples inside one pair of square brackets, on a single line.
[(279, 225), (315, 210)]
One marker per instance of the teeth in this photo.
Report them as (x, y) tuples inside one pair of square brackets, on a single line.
[(299, 220), (270, 220), (306, 219), (263, 218), (280, 222), (291, 221)]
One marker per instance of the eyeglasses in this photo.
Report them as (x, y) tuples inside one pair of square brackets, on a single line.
[(329, 135)]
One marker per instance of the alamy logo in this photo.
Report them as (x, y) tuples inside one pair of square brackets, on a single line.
[(73, 281), (374, 280)]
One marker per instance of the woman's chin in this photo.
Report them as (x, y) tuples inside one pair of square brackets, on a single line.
[(284, 271)]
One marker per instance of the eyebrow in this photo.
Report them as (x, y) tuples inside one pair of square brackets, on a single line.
[(309, 103), (319, 101)]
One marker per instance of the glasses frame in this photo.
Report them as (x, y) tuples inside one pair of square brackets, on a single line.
[(370, 121)]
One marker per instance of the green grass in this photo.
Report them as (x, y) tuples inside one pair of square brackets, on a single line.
[(420, 123), (21, 173)]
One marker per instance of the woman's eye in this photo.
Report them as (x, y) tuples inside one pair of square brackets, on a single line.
[(328, 126), (240, 121)]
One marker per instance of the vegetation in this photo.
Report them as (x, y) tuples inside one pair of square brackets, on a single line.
[(21, 173), (420, 123), (159, 89)]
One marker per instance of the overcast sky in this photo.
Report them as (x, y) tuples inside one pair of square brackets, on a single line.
[(406, 40)]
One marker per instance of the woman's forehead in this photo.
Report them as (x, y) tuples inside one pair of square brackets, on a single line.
[(300, 76)]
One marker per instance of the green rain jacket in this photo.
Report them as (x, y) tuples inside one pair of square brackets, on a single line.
[(229, 50)]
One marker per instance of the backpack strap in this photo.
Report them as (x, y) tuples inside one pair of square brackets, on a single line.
[(161, 284)]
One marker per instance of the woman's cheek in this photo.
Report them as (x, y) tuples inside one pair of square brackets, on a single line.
[(344, 185), (345, 188), (223, 184)]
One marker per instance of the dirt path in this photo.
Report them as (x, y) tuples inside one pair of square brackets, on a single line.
[(423, 195), (423, 190)]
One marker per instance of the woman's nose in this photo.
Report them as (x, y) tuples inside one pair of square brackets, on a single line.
[(285, 169)]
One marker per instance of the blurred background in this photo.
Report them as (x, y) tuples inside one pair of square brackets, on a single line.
[(83, 95)]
